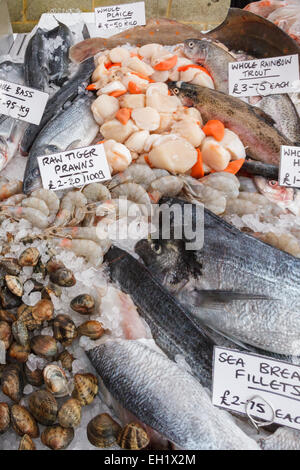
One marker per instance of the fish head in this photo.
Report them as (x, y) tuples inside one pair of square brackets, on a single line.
[(169, 262), (32, 177), (273, 191), (196, 49), (185, 91)]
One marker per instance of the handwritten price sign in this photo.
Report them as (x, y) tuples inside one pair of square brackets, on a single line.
[(120, 17)]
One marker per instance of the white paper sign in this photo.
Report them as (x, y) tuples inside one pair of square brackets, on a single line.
[(21, 102), (266, 382), (289, 168), (74, 168), (121, 17), (263, 76)]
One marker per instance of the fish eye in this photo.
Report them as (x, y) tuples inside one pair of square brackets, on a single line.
[(273, 183), (36, 172), (191, 44), (156, 247), (176, 91)]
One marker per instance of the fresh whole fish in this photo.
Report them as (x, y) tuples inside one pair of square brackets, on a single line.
[(56, 103), (232, 258), (213, 57), (165, 397), (58, 41), (172, 329), (254, 127), (73, 127), (284, 197)]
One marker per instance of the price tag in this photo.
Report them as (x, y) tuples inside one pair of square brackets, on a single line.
[(261, 387), (120, 17), (21, 102), (289, 168), (74, 168), (264, 76)]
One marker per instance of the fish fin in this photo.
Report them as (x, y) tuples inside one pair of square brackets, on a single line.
[(261, 114), (213, 298), (73, 145)]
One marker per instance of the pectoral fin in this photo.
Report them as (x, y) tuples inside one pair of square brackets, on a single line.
[(215, 298)]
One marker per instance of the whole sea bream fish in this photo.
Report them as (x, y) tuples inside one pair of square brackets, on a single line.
[(242, 265), (165, 397), (254, 127), (73, 127)]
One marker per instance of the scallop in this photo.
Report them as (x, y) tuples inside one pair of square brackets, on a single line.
[(136, 141), (83, 304), (103, 431), (12, 382), (118, 156), (149, 50), (29, 257), (44, 346), (233, 144), (34, 377), (14, 284), (214, 154), (163, 103), (64, 329), (26, 443), (43, 407), (189, 130), (137, 65), (69, 416), (117, 131), (132, 100), (66, 360), (19, 353), (85, 388), (91, 328), (56, 380), (20, 333), (104, 107), (56, 437), (23, 422), (64, 277), (133, 437), (118, 54), (5, 333), (4, 417), (161, 88), (177, 156), (146, 118), (43, 310)]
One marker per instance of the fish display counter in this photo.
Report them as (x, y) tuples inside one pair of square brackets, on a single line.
[(147, 219)]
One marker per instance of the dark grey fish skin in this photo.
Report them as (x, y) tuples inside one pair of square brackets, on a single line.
[(55, 104), (282, 110), (166, 397), (73, 127), (231, 260), (254, 127), (47, 57), (213, 57), (173, 330), (261, 169)]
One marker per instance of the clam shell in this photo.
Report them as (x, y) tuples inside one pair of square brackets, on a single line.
[(91, 328), (29, 257), (5, 333), (103, 431), (53, 265), (25, 315), (34, 377), (56, 437), (64, 329), (85, 388), (9, 300), (83, 304), (66, 360), (4, 417), (55, 380), (23, 422), (18, 353), (43, 310), (63, 277), (43, 407), (69, 416), (26, 443), (44, 346), (12, 382), (133, 437), (10, 266), (20, 332), (8, 316), (51, 289), (14, 284)]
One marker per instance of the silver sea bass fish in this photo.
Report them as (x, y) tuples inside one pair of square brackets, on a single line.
[(166, 397)]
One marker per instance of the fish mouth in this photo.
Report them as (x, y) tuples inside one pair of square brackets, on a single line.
[(31, 184)]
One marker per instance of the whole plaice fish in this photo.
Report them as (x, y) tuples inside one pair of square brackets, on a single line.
[(56, 103), (254, 127), (213, 57), (165, 397), (172, 329), (46, 57), (284, 197), (243, 266), (73, 127)]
